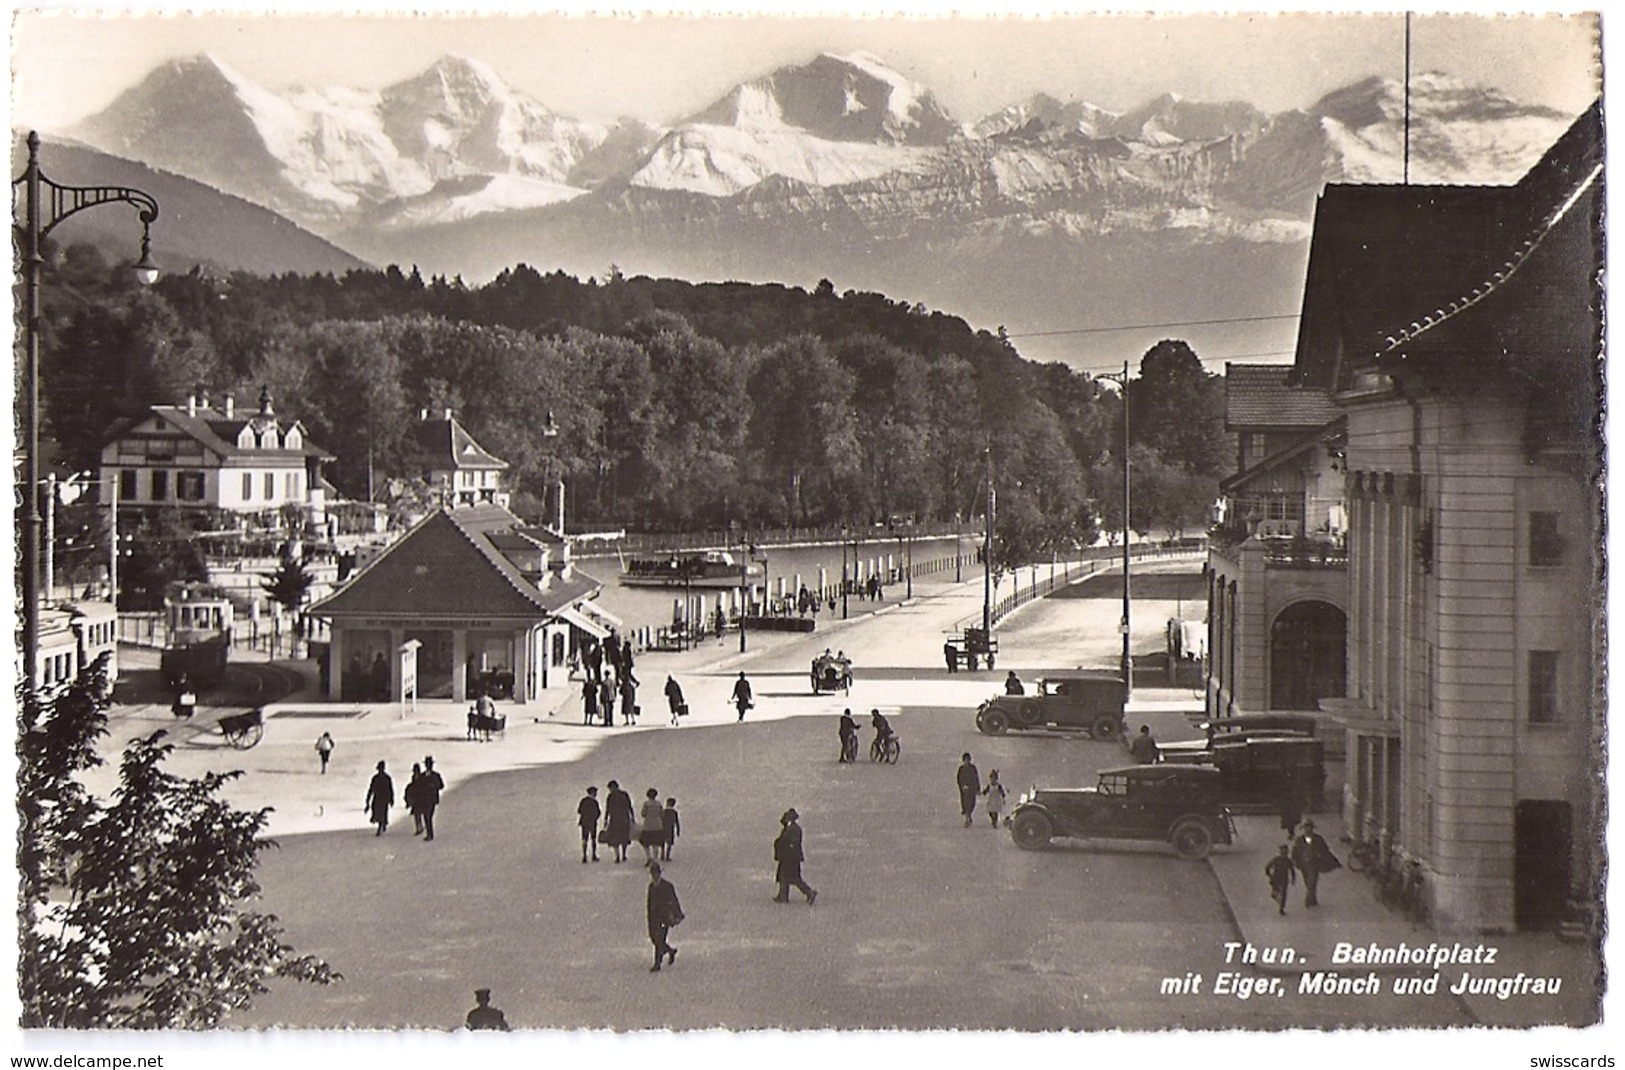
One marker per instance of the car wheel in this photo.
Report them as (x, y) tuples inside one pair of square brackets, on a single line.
[(1031, 830), (993, 723), (1192, 839), (1104, 728), (1028, 712)]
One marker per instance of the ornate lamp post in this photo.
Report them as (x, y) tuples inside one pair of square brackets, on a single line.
[(45, 204)]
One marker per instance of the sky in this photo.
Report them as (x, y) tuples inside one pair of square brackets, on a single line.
[(660, 68)]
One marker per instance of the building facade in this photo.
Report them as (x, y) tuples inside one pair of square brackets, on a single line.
[(494, 606), (1459, 331), (197, 457), (457, 469)]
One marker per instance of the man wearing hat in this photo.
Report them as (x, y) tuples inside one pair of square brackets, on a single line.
[(787, 853), (1312, 857), (485, 1016), (664, 911)]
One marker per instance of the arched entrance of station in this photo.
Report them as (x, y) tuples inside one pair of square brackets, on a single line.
[(1308, 655)]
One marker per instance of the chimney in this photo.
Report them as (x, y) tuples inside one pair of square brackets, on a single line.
[(191, 404), (265, 402), (231, 406), (423, 415), (448, 415)]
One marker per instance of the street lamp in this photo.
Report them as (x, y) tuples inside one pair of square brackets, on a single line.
[(1123, 625), (550, 429), (987, 552), (40, 217)]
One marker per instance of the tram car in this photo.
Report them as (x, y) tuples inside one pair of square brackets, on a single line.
[(197, 620)]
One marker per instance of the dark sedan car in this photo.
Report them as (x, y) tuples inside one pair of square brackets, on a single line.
[(1092, 701), (1176, 804)]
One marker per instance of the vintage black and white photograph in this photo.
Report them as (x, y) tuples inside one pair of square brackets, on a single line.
[(726, 535)]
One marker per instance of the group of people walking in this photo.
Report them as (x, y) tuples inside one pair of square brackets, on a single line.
[(971, 789), (421, 796), (606, 679), (849, 734), (1308, 856), (658, 826)]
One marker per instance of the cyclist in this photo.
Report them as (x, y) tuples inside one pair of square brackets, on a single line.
[(882, 728), (849, 736)]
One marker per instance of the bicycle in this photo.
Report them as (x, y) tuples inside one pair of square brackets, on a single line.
[(887, 750), (849, 749)]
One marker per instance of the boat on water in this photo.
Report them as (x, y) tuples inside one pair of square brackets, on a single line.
[(709, 568)]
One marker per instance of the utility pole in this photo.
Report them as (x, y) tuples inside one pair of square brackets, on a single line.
[(987, 552)]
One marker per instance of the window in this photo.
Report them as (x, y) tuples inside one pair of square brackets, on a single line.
[(248, 486), (189, 486), (126, 484), (1542, 687), (270, 486), (160, 485), (1545, 540), (290, 486)]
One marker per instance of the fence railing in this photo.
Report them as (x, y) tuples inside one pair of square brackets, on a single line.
[(1043, 580)]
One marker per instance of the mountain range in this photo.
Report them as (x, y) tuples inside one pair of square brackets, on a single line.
[(1045, 214)]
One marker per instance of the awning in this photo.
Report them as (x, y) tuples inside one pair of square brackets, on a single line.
[(599, 614), (582, 622)]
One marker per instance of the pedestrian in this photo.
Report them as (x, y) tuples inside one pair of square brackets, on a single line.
[(663, 912), (429, 797), (617, 821), (1144, 748), (185, 698), (606, 700), (409, 796), (788, 854), (380, 797), (485, 1016), (587, 815), (589, 700), (1013, 684), (324, 748), (1312, 857), (674, 699), (742, 696), (629, 697), (612, 650), (995, 797), (626, 657), (651, 826), (970, 786), (849, 737), (671, 826), (950, 655), (1279, 872), (594, 661)]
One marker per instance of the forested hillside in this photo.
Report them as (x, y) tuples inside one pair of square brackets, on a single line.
[(679, 405)]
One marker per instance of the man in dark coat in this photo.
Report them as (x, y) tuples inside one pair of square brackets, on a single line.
[(787, 853), (428, 796), (951, 656), (1013, 684), (485, 1016), (741, 695), (587, 815), (849, 737), (606, 700), (664, 911), (380, 797), (1312, 857), (589, 700), (970, 787)]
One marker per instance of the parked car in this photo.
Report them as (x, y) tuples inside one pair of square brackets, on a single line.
[(1181, 749), (1307, 724), (1092, 701), (1257, 771), (1176, 804)]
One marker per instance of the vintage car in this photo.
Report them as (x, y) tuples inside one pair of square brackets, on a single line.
[(1257, 771), (1305, 724), (1092, 701), (1176, 804)]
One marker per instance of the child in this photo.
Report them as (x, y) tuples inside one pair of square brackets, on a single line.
[(671, 826), (1280, 874), (995, 798)]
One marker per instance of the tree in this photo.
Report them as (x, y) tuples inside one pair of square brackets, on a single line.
[(289, 584), (1177, 408), (133, 911)]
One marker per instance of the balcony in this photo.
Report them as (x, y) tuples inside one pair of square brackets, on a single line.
[(1302, 553)]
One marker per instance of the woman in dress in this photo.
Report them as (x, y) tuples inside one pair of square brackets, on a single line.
[(618, 817), (652, 826)]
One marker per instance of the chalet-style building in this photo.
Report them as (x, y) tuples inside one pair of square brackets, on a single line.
[(458, 470), (1459, 332), (495, 605), (1276, 569), (196, 457)]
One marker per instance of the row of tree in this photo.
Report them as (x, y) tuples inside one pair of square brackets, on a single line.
[(679, 406)]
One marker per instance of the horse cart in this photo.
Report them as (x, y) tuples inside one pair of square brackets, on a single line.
[(243, 730), (970, 648)]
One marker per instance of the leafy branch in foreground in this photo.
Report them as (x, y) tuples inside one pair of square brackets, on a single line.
[(133, 911)]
